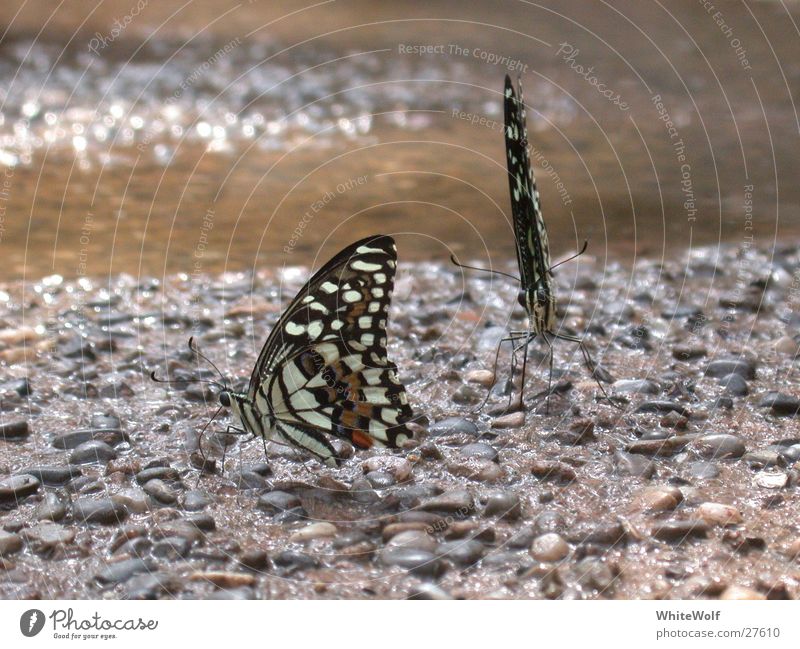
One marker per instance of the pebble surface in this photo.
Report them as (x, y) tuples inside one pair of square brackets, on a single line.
[(685, 484)]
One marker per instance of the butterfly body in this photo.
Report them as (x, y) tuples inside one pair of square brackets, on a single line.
[(324, 369)]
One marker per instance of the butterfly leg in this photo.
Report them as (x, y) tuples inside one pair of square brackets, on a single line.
[(550, 374), (587, 359), (511, 338), (529, 336)]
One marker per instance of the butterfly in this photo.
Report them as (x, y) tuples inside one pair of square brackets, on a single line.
[(537, 288), (324, 369)]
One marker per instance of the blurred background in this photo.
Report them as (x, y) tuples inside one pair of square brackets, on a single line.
[(191, 136)]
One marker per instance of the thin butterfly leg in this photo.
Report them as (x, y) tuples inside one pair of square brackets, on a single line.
[(587, 359), (512, 338)]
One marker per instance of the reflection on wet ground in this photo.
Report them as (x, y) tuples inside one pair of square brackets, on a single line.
[(232, 138)]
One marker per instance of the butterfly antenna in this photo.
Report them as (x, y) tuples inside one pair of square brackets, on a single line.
[(154, 378), (197, 351), (483, 270), (575, 256)]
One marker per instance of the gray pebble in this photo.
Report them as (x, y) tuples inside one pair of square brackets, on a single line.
[(104, 511), (291, 561), (14, 430), (457, 501), (53, 507), (69, 441), (92, 452), (548, 521), (245, 480), (480, 450), (195, 500), (549, 547), (106, 421), (702, 470), (201, 521), (17, 487), (172, 548), (629, 464), (679, 531), (380, 479), (52, 476), (734, 385), (503, 504), (419, 562), (430, 591), (150, 586), (9, 543), (783, 405), (46, 537), (664, 407), (723, 367), (636, 386), (719, 446), (158, 473), (453, 426), (288, 516), (278, 501), (463, 552), (160, 491), (764, 458), (121, 571)]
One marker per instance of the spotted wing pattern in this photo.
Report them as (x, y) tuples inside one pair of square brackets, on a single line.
[(533, 250), (324, 367)]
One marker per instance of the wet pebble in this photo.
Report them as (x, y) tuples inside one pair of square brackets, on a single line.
[(195, 500), (549, 547), (551, 471), (419, 562), (664, 407), (511, 420), (771, 479), (629, 464), (503, 504), (291, 561), (166, 473), (679, 531), (69, 441), (92, 452), (9, 543), (481, 377), (104, 511), (719, 446), (172, 548), (700, 470), (46, 537), (151, 586), (734, 385), (224, 579), (479, 450), (453, 426), (782, 405), (659, 447), (52, 476), (658, 498), (764, 458), (321, 530), (14, 430), (457, 501), (463, 553), (636, 386), (380, 479), (722, 367), (278, 501), (160, 491), (735, 592), (430, 591), (15, 488), (53, 507), (254, 558), (718, 514)]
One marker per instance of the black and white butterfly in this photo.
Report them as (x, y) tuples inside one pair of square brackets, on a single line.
[(537, 289), (323, 369)]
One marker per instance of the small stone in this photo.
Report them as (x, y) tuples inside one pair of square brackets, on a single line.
[(512, 420), (17, 487), (702, 470), (222, 579), (636, 386), (105, 511), (771, 479), (418, 562), (69, 441), (14, 430), (195, 500), (462, 552), (658, 498), (718, 514), (320, 530), (782, 405), (734, 385), (419, 539), (453, 426), (46, 537), (246, 480), (609, 533), (166, 473), (121, 571), (398, 467), (457, 501), (503, 504), (380, 479), (9, 543), (150, 586), (549, 547), (688, 352), (735, 592), (278, 501), (787, 346), (719, 446), (764, 458), (680, 531), (160, 491), (428, 591), (292, 561), (637, 466), (479, 450), (664, 407), (254, 559), (660, 447), (481, 377), (52, 476), (91, 452), (172, 548), (723, 367), (52, 507), (548, 470)]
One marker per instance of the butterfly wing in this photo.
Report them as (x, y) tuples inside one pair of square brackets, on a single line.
[(324, 367), (533, 251)]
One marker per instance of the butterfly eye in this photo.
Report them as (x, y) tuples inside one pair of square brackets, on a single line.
[(225, 399), (522, 298)]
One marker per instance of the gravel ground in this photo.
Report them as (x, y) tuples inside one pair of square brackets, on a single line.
[(688, 488)]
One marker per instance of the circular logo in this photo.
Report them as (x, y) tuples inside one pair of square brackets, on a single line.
[(31, 622)]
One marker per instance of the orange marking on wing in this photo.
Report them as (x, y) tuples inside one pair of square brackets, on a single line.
[(361, 439)]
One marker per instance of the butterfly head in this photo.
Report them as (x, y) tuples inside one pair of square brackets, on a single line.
[(539, 303)]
